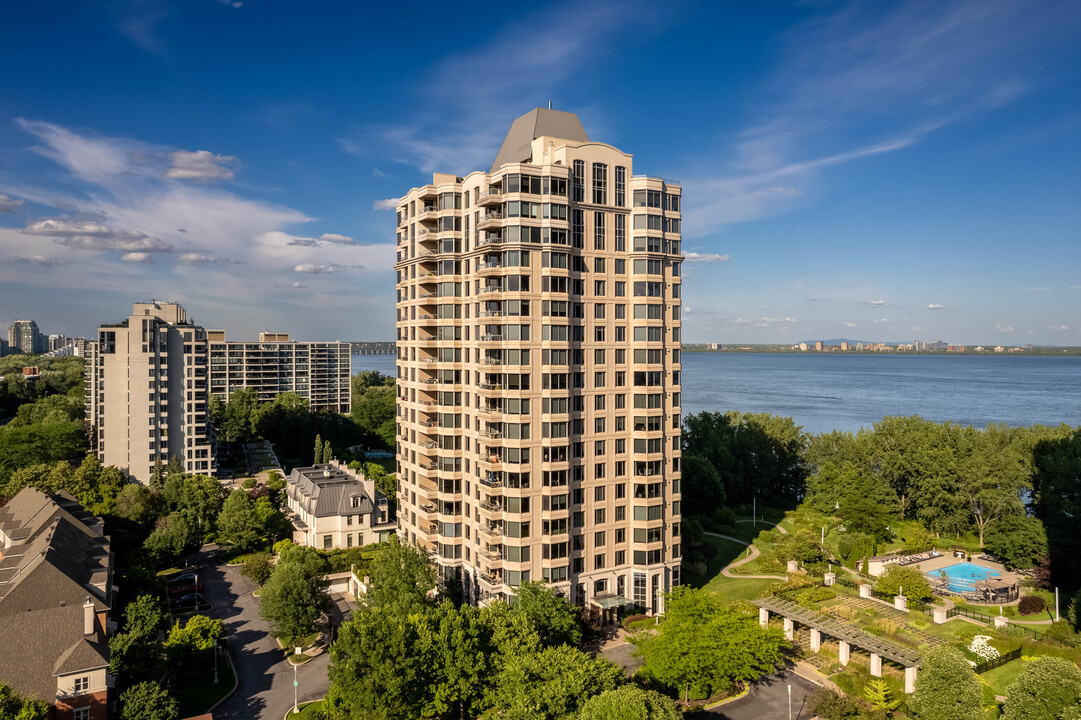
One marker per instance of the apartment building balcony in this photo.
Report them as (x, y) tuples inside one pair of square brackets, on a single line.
[(492, 266), (487, 289), (491, 511), (489, 219), (493, 582), (491, 337), (491, 196), (490, 238), (492, 482), (492, 531), (491, 411)]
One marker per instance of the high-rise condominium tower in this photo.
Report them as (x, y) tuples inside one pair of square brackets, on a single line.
[(539, 370), (24, 335), (146, 391)]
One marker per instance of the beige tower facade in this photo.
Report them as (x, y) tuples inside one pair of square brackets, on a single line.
[(538, 340), (146, 391)]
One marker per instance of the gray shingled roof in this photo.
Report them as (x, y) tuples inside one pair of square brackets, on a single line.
[(46, 643), (325, 491), (538, 122)]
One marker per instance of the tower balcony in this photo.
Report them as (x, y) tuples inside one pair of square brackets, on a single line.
[(490, 219), (491, 196)]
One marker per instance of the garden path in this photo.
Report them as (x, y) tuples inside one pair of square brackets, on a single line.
[(778, 525), (755, 552)]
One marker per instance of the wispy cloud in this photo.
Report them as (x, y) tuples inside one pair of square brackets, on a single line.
[(693, 257), (848, 323), (38, 260), (388, 204), (868, 79), (88, 235), (323, 240), (764, 322), (1002, 328), (504, 82), (876, 302), (320, 269), (935, 306), (9, 204), (191, 259), (138, 257)]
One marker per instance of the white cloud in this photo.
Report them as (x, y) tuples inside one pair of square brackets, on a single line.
[(848, 323), (200, 166), (8, 204), (705, 257), (89, 235), (319, 269), (191, 259), (763, 322), (877, 302), (138, 257), (1058, 328), (38, 260), (323, 240), (935, 306), (388, 204), (1003, 328), (376, 172)]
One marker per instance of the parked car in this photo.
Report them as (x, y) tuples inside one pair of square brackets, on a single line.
[(185, 578), (186, 589), (186, 600)]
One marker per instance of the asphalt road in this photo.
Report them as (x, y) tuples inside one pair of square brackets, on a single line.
[(266, 678), (768, 700)]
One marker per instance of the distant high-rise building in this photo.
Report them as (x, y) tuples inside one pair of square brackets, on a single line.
[(538, 340), (147, 391), (25, 336), (844, 346), (818, 345), (317, 371)]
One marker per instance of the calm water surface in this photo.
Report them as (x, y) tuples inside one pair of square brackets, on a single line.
[(847, 392)]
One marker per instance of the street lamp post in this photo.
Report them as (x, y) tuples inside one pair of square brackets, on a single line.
[(789, 701), (216, 648), (295, 710)]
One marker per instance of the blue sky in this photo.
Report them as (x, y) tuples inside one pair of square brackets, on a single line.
[(879, 171)]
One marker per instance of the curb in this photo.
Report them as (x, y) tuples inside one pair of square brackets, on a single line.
[(301, 705), (236, 681), (719, 703)]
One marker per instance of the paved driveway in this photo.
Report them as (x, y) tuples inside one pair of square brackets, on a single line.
[(266, 678), (768, 700)]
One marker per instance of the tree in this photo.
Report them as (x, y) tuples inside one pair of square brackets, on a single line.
[(143, 617), (877, 692), (175, 466), (18, 708), (907, 581), (192, 641), (173, 537), (134, 503), (318, 450), (700, 643), (703, 490), (401, 576), (1019, 540), (552, 616), (379, 668), (993, 473), (552, 683), (946, 687), (629, 702), (148, 701), (257, 567), (328, 454), (157, 476), (1045, 688), (291, 601), (237, 522)]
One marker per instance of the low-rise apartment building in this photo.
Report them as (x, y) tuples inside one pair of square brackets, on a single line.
[(56, 590), (333, 506)]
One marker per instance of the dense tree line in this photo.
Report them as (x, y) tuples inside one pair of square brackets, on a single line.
[(1003, 484), (410, 652), (56, 376)]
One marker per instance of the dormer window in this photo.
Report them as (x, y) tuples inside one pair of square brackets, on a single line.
[(356, 501)]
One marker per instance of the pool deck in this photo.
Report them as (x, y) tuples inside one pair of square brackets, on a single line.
[(927, 566)]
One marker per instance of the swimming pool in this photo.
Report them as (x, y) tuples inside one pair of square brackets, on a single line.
[(963, 576)]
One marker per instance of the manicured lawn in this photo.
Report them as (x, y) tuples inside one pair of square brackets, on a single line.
[(1002, 677), (197, 695), (727, 551), (731, 590), (744, 531), (307, 711)]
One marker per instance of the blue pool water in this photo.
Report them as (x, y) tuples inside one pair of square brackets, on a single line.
[(963, 576)]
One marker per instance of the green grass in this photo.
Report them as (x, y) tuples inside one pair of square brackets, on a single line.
[(308, 710), (1002, 677), (727, 551), (197, 695), (744, 531)]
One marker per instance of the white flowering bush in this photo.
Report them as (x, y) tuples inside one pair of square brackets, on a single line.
[(982, 648)]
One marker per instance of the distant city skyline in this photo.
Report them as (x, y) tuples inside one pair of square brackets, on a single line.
[(889, 171)]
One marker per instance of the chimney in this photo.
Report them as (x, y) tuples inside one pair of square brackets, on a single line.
[(326, 471), (89, 624)]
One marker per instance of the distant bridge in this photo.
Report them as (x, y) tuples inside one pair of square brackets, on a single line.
[(372, 348)]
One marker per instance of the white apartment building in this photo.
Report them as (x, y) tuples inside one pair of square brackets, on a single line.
[(317, 371), (146, 391), (538, 340)]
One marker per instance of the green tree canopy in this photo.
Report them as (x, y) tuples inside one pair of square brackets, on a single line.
[(629, 702), (552, 683), (19, 708), (292, 600), (908, 581), (401, 576), (699, 642), (1046, 688), (1019, 540), (148, 701), (238, 524), (946, 687), (554, 619)]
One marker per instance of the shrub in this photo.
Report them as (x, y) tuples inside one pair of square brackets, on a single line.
[(910, 580), (1031, 604), (814, 595), (248, 484), (832, 705), (1062, 633), (723, 517), (634, 618)]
